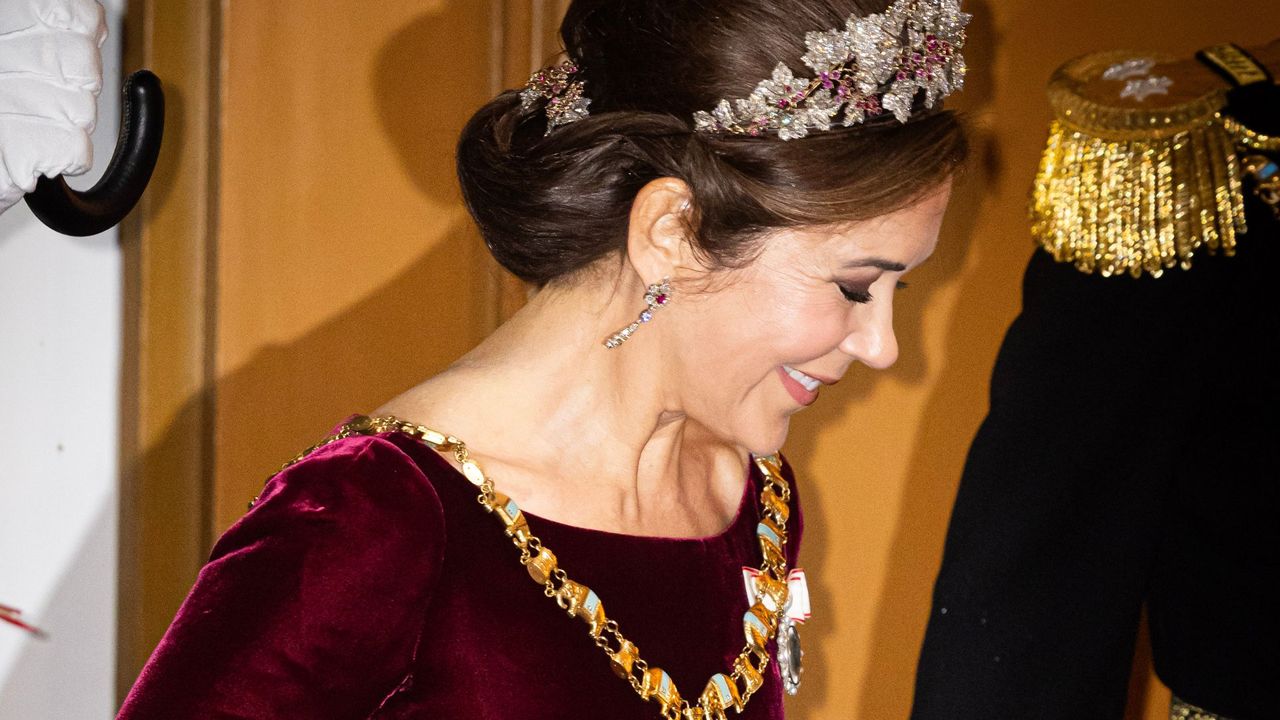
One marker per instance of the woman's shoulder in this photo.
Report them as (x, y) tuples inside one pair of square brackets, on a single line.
[(352, 485), (312, 604), (355, 460)]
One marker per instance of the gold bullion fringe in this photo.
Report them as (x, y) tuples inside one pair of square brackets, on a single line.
[(1250, 139), (1138, 202)]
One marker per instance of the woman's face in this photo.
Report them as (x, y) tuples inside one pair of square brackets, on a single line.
[(758, 343)]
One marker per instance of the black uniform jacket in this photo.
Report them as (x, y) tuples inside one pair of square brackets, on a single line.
[(1131, 456)]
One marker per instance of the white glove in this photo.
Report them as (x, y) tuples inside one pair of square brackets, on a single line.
[(50, 77)]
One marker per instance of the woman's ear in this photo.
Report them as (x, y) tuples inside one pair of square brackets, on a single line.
[(658, 240)]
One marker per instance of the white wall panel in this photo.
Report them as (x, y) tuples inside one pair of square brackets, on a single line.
[(60, 314)]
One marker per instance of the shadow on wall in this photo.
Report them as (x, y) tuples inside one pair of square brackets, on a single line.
[(413, 70), (79, 643), (353, 363), (374, 350), (286, 397), (928, 493), (978, 320)]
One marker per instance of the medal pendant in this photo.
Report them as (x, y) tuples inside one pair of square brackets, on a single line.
[(789, 656)]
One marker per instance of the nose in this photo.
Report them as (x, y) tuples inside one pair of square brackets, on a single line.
[(872, 341)]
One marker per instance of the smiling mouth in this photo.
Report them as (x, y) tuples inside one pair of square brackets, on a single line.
[(809, 383), (801, 387)]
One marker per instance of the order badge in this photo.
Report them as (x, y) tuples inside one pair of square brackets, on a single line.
[(795, 612)]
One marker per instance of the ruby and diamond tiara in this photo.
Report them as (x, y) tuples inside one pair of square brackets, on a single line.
[(876, 64)]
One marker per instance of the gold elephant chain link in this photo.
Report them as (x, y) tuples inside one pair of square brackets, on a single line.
[(760, 624)]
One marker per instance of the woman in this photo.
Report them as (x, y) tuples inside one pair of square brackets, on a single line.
[(700, 275)]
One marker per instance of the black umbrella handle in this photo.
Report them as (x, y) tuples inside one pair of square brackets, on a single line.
[(72, 212)]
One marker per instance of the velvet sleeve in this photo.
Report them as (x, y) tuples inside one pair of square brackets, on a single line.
[(312, 605)]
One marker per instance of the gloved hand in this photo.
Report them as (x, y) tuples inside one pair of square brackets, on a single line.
[(50, 77)]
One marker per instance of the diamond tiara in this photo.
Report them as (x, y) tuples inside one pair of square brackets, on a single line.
[(877, 63)]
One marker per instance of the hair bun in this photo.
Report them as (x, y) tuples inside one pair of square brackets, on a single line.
[(548, 206)]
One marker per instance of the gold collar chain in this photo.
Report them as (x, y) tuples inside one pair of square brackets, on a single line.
[(760, 623)]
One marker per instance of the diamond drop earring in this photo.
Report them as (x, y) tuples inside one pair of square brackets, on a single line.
[(656, 296)]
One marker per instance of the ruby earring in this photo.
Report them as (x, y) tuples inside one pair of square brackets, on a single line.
[(656, 296)]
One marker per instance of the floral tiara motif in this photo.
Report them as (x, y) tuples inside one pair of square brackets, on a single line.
[(565, 103), (877, 63)]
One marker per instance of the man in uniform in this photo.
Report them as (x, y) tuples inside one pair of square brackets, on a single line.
[(1127, 460)]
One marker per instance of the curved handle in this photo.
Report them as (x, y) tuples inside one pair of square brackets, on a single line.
[(73, 212)]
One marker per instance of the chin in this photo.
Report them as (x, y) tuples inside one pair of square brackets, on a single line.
[(767, 439)]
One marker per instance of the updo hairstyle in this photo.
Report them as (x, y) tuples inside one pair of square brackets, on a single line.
[(550, 205)]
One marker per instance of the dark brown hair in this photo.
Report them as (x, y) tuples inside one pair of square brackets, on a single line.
[(549, 205)]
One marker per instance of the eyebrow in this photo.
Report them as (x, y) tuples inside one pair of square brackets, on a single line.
[(875, 262)]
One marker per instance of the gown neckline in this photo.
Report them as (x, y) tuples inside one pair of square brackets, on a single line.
[(537, 522)]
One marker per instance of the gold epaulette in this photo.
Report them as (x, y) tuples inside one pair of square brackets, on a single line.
[(1140, 171)]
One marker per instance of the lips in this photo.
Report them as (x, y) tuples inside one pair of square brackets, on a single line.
[(802, 388), (809, 382)]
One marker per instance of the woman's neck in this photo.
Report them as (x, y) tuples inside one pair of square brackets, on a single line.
[(579, 433)]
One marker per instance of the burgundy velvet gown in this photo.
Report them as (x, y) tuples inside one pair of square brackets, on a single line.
[(367, 583)]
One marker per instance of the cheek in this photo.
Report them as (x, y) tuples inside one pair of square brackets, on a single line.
[(726, 339), (741, 335), (807, 327), (727, 344)]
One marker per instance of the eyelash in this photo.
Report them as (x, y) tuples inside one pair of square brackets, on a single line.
[(862, 296), (855, 296)]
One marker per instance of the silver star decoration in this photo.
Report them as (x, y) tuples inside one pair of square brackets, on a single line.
[(1143, 88)]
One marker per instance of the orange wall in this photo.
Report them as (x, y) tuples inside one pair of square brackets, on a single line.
[(347, 268), (347, 271)]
